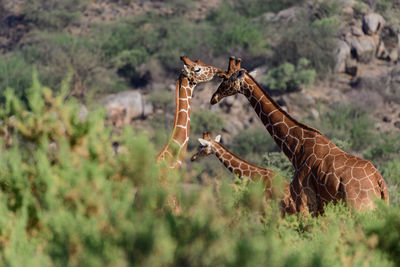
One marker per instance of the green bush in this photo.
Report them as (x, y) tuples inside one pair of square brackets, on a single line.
[(206, 121), (252, 144), (69, 200), (253, 8), (312, 39), (350, 124), (232, 31), (287, 77), (279, 162), (57, 54), (15, 72), (53, 14)]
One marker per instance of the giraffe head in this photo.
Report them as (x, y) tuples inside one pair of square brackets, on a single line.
[(198, 72), (206, 146), (231, 85)]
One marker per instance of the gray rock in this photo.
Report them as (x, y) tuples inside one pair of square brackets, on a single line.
[(126, 106), (342, 53), (356, 31), (364, 47), (372, 23)]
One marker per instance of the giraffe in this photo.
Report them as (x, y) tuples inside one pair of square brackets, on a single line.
[(194, 72), (274, 185), (323, 172)]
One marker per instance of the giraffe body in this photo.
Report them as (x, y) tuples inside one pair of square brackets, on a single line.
[(274, 186), (324, 173)]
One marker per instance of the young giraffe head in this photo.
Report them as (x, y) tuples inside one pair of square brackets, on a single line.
[(198, 72), (232, 81), (206, 146)]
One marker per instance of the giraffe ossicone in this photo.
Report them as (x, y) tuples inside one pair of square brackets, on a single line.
[(323, 172)]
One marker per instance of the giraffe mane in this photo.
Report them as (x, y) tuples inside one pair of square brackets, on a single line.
[(277, 106), (245, 161)]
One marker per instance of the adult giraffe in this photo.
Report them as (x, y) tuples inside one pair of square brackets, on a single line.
[(324, 173), (194, 72), (274, 186)]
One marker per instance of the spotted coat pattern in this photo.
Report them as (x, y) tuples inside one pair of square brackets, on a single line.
[(323, 172)]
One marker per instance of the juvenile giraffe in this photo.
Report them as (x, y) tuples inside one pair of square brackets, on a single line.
[(274, 187), (194, 72), (324, 173)]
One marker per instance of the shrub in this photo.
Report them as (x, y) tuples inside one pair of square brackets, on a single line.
[(231, 31), (15, 72), (67, 199), (287, 77), (255, 8), (350, 124), (206, 121), (279, 162), (310, 39), (252, 144), (53, 14), (57, 54)]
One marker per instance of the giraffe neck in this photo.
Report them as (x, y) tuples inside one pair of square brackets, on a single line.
[(288, 133), (176, 146), (239, 166)]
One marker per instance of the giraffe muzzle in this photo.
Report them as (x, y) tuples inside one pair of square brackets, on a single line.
[(214, 99), (194, 157)]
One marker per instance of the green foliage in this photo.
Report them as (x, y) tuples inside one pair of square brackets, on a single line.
[(234, 31), (386, 231), (15, 73), (350, 124), (53, 14), (279, 162), (385, 148), (251, 144), (57, 54), (310, 39), (162, 99), (69, 200), (287, 77), (206, 121), (253, 8)]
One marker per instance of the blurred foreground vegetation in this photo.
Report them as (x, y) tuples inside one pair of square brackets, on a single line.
[(69, 199)]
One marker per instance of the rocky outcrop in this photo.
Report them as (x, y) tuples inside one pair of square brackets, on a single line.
[(364, 40), (372, 23), (126, 106)]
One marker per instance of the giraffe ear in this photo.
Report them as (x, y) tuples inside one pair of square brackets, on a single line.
[(204, 142), (218, 138)]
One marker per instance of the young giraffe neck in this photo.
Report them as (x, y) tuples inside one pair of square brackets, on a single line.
[(176, 146), (285, 130), (239, 166)]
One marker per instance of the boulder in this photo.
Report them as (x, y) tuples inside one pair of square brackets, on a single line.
[(356, 31), (363, 48), (341, 54), (126, 106), (372, 23)]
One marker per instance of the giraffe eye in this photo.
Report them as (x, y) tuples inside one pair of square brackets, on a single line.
[(197, 70)]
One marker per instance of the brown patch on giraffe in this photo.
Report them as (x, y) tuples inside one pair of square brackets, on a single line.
[(321, 149), (183, 104)]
